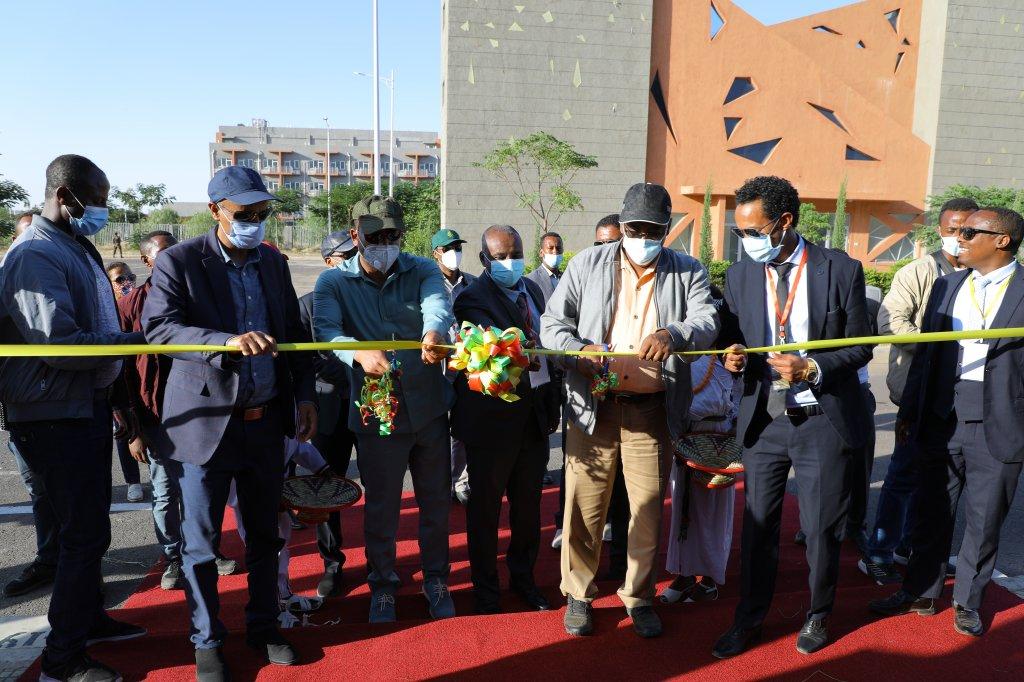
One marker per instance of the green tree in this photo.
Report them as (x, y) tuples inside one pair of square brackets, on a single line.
[(134, 200), (540, 170), (814, 226), (11, 194), (130, 203), (162, 216), (993, 195), (421, 208), (707, 249), (837, 238), (289, 200), (341, 200)]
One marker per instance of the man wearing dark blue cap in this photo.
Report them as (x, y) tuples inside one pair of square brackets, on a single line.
[(226, 414)]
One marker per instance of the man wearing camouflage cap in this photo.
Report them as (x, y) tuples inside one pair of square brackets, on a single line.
[(384, 294)]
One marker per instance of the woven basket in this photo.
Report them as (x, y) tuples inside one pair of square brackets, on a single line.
[(712, 481), (314, 497), (713, 453)]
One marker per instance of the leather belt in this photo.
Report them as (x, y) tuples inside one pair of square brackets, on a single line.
[(804, 411), (250, 414), (635, 398)]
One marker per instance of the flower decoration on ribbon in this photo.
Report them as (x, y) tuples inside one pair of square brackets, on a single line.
[(493, 359), (376, 399), (603, 381)]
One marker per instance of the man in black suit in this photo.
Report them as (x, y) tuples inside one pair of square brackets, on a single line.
[(506, 442), (967, 419), (799, 410)]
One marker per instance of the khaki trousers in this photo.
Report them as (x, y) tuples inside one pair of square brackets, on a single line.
[(637, 435)]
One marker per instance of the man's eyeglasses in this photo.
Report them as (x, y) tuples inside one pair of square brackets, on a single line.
[(122, 279), (753, 231), (968, 233), (245, 216), (606, 241), (644, 230), (383, 237)]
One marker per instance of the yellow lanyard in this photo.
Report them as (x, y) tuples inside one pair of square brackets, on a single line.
[(995, 299)]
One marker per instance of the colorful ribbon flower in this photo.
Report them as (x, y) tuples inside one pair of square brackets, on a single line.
[(603, 382), (493, 359), (376, 399)]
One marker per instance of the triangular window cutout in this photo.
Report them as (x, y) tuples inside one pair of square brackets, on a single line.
[(830, 115), (826, 29), (757, 152), (893, 18), (717, 22), (861, 45), (659, 99), (857, 155), (906, 42), (899, 60), (739, 87), (730, 125)]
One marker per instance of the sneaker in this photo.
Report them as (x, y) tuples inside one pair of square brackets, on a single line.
[(34, 576), (109, 630), (297, 604), (172, 576), (607, 533), (967, 621), (680, 590), (135, 493), (210, 666), (645, 621), (438, 598), (556, 543), (226, 566), (902, 602), (331, 583), (462, 496), (382, 607), (705, 590), (882, 574), (578, 619), (274, 646), (80, 669)]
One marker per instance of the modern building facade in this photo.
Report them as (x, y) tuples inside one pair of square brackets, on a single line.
[(899, 100), (299, 158)]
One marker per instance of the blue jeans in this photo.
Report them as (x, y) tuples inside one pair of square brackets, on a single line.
[(72, 457), (47, 525), (894, 515), (166, 510)]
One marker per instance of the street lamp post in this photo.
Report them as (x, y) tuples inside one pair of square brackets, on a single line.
[(328, 167), (390, 82), (376, 106)]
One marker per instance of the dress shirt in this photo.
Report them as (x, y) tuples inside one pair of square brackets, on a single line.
[(106, 321), (967, 316), (541, 376), (635, 317)]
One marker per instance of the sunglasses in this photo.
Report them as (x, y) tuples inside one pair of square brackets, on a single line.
[(121, 279), (248, 216), (753, 231), (648, 231), (968, 233), (607, 241), (383, 237)]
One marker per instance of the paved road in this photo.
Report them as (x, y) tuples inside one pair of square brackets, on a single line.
[(132, 550)]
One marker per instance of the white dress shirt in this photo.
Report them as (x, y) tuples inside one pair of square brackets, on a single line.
[(989, 291), (798, 323)]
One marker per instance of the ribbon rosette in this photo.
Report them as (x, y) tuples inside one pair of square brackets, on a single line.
[(493, 359), (376, 399)]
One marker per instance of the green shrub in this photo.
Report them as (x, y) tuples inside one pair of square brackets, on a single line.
[(883, 278), (716, 272)]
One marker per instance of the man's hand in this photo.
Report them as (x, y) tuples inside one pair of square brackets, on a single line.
[(137, 449), (657, 347), (431, 353), (373, 362), (903, 431), (254, 343), (790, 367), (590, 365), (122, 425), (305, 423), (735, 358), (535, 360)]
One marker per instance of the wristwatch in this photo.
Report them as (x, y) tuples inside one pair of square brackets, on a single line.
[(810, 375)]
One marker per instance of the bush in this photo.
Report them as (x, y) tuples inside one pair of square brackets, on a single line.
[(716, 272), (883, 278)]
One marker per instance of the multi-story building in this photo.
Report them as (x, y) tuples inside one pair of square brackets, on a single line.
[(298, 158)]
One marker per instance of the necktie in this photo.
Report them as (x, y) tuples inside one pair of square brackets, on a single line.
[(524, 311), (777, 397)]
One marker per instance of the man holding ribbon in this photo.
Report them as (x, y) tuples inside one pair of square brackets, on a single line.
[(801, 410), (963, 405), (382, 295), (647, 302)]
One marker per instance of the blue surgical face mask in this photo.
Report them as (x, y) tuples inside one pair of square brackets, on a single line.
[(246, 235), (553, 260), (507, 272), (641, 251), (92, 221), (760, 248)]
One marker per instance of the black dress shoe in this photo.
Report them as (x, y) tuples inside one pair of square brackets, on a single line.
[(331, 583), (210, 666), (532, 596), (813, 636), (271, 642), (967, 621), (34, 576), (736, 641), (901, 603)]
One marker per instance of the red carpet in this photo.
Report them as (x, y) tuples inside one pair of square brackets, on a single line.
[(518, 645)]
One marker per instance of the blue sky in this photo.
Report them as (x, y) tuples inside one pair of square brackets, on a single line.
[(140, 87)]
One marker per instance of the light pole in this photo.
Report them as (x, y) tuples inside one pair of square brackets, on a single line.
[(390, 82), (328, 167), (376, 106)]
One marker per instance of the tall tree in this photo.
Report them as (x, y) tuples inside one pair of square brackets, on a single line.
[(289, 200), (837, 239), (707, 248), (11, 194), (814, 225)]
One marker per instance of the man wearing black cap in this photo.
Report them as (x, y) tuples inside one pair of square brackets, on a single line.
[(640, 298), (333, 438), (226, 414)]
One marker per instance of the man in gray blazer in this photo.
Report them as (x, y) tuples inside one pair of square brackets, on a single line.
[(547, 274)]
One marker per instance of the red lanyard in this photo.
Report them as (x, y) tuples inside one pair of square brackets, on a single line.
[(782, 316)]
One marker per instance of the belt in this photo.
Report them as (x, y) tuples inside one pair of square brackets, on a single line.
[(804, 411), (635, 398), (250, 414)]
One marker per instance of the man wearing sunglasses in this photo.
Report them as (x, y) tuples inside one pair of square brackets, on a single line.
[(225, 415), (801, 411), (608, 230), (639, 298), (965, 416), (384, 294)]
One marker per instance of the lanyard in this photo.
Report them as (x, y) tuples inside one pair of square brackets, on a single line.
[(995, 299), (782, 316)]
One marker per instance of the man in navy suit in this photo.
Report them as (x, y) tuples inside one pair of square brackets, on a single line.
[(803, 410), (225, 415), (506, 443), (967, 419)]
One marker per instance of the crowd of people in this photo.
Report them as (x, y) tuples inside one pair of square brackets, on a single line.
[(221, 429)]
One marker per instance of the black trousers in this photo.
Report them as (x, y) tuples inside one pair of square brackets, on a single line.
[(860, 472), (813, 449), (337, 451), (515, 470), (955, 459)]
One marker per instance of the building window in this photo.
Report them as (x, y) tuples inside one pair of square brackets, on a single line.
[(272, 185), (739, 88), (314, 166), (830, 115), (683, 240), (857, 155), (757, 152), (293, 166), (362, 166), (223, 163)]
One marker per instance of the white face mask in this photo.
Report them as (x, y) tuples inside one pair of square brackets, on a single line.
[(553, 260), (951, 245), (381, 257), (451, 260)]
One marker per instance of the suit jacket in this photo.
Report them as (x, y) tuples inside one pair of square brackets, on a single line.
[(190, 303), (836, 310), (478, 419), (542, 278), (1004, 366), (333, 378)]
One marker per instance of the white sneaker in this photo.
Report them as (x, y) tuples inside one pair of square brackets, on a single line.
[(135, 493), (607, 532), (556, 543)]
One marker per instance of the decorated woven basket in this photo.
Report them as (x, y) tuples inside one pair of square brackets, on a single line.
[(713, 453), (712, 481), (314, 497)]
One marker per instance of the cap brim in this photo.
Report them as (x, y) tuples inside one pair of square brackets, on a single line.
[(451, 241), (253, 197), (644, 218)]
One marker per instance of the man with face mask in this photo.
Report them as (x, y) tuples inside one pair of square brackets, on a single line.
[(548, 273), (640, 298), (804, 411), (225, 415), (902, 312), (53, 290), (447, 251), (384, 294)]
